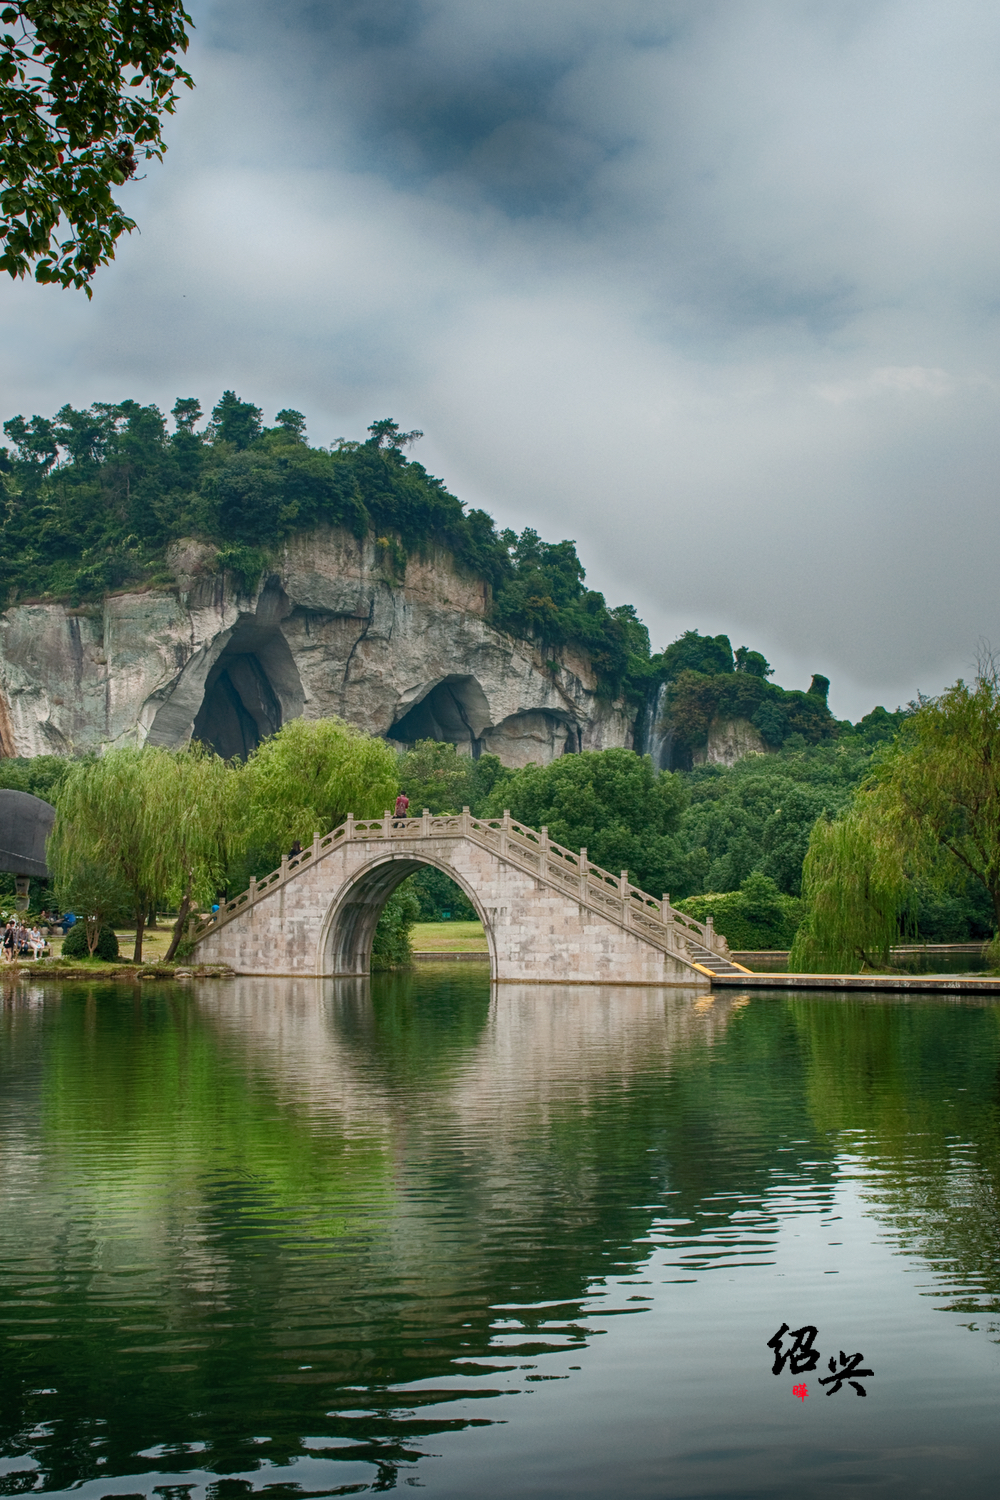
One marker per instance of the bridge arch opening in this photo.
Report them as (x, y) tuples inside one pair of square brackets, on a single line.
[(349, 930)]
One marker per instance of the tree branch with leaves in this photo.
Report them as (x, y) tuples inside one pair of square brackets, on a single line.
[(84, 90)]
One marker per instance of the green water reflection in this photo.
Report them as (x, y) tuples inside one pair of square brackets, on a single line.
[(246, 1224)]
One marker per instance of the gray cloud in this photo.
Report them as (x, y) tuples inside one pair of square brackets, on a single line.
[(711, 287)]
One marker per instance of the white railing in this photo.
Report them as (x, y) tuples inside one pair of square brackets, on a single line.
[(613, 895)]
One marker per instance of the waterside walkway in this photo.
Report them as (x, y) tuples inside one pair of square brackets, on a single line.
[(949, 984)]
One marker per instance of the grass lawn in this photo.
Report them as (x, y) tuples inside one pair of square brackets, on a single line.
[(154, 944), (449, 937)]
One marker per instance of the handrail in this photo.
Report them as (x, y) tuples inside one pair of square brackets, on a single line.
[(614, 895)]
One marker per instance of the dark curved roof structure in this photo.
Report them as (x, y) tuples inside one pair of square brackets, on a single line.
[(25, 824)]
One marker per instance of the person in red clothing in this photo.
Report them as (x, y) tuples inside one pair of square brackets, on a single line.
[(402, 805)]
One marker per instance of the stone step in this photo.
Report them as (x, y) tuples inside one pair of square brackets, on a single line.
[(713, 961)]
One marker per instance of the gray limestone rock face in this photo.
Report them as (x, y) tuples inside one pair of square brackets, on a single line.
[(729, 740), (331, 629)]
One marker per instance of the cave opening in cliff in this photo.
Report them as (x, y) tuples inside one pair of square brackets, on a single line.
[(240, 707), (454, 709), (234, 692), (252, 689)]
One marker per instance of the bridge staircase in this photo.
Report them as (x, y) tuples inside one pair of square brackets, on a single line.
[(715, 964)]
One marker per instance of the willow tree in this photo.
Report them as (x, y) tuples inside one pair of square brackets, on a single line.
[(854, 882), (940, 782), (153, 820), (306, 779), (194, 793), (931, 808)]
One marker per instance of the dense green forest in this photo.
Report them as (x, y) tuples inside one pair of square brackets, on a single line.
[(743, 829), (731, 835)]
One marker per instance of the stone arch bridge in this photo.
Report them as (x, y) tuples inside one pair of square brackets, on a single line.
[(550, 915)]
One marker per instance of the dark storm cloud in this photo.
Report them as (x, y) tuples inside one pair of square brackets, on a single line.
[(470, 99), (711, 287), (570, 120), (577, 117)]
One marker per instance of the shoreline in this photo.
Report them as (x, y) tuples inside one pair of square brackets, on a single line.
[(59, 968)]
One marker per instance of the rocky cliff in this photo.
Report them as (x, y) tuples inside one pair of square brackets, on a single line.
[(729, 740), (334, 627)]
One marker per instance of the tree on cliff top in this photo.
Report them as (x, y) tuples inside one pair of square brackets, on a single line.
[(692, 652), (91, 499), (84, 88)]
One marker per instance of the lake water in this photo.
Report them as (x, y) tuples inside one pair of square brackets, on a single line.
[(304, 1239)]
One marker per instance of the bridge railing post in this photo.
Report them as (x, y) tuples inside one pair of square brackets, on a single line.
[(387, 824), (710, 932), (316, 838), (504, 830), (583, 873), (623, 891), (425, 823), (543, 852), (350, 827), (284, 868), (668, 920), (253, 889), (465, 819)]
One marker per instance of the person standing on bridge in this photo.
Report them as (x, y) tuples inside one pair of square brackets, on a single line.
[(402, 805)]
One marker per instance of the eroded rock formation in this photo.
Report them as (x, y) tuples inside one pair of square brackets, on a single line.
[(331, 629), (729, 740)]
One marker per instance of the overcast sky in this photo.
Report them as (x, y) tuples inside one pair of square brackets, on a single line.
[(711, 286)]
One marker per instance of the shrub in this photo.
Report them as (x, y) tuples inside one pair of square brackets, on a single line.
[(75, 943), (756, 916)]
